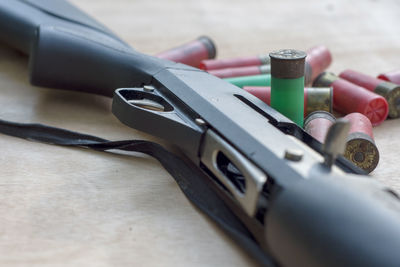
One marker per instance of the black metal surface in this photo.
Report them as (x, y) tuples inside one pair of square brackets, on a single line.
[(173, 124), (304, 214), (208, 96), (70, 52)]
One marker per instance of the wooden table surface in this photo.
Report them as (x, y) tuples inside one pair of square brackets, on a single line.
[(74, 207)]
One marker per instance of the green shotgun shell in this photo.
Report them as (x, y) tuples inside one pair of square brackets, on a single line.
[(287, 83), (315, 99), (253, 80)]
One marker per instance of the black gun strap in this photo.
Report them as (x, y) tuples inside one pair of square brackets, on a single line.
[(190, 180)]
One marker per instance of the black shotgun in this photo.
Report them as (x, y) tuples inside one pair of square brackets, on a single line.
[(279, 181)]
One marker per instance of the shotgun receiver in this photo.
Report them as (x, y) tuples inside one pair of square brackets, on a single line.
[(278, 181)]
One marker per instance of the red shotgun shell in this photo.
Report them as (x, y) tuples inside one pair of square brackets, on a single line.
[(349, 98), (388, 90), (314, 98), (393, 76), (318, 123), (241, 71), (318, 60), (191, 53), (261, 92), (213, 64), (360, 146)]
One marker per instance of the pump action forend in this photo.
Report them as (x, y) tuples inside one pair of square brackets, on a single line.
[(300, 209)]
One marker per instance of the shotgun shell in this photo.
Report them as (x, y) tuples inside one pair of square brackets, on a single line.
[(253, 80), (287, 83), (360, 147), (191, 53), (318, 123), (388, 90), (318, 99), (349, 98), (213, 64), (314, 98), (393, 76), (261, 92), (318, 60), (241, 71)]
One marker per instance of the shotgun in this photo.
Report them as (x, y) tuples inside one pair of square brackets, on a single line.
[(300, 204)]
